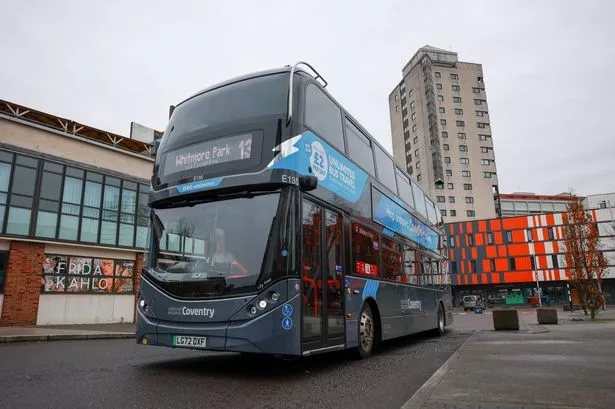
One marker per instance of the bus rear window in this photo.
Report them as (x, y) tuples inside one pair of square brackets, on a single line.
[(365, 250)]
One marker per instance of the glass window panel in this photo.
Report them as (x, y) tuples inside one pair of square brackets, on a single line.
[(2, 210), (95, 177), (143, 188), (112, 181), (53, 167), (46, 224), (386, 172), (89, 230), (3, 198), (70, 209), (50, 186), (188, 245), (6, 156), (26, 161), (365, 250), (431, 211), (127, 218), (127, 184), (74, 172), (21, 201), (173, 242), (126, 235), (142, 236), (507, 205), (90, 212), (534, 206), (560, 207), (92, 194), (18, 221), (24, 181), (546, 207), (129, 201), (419, 199), (521, 206), (359, 148), (112, 198), (68, 227), (5, 174), (72, 190), (143, 221), (323, 116), (109, 215), (108, 232), (199, 246), (405, 190)]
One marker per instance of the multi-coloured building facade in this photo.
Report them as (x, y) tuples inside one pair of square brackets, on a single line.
[(508, 258)]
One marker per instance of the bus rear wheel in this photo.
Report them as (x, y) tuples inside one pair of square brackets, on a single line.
[(440, 322), (367, 333)]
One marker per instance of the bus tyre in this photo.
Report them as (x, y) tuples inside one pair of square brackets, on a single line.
[(440, 322), (367, 333)]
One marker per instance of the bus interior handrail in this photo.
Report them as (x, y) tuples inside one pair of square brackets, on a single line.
[(289, 115)]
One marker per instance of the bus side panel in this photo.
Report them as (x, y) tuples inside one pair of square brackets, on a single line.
[(356, 290), (390, 302)]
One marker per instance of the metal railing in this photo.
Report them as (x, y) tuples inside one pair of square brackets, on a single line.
[(289, 116)]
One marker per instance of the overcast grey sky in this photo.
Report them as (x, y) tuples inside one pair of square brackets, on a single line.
[(548, 66)]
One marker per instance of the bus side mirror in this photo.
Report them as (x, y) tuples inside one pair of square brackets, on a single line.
[(307, 183)]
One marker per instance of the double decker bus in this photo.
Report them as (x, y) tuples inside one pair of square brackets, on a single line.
[(280, 226)]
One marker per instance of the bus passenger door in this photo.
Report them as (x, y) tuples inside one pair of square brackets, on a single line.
[(322, 270)]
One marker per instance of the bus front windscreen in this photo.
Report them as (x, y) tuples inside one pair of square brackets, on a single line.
[(216, 248)]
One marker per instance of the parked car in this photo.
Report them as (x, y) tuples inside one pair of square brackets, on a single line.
[(471, 301), (497, 300)]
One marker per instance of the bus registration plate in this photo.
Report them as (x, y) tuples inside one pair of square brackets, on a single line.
[(190, 342)]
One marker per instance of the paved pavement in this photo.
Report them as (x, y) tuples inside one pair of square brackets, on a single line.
[(571, 365), (121, 374), (66, 332)]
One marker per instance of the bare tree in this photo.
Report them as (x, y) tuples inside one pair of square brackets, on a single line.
[(584, 257)]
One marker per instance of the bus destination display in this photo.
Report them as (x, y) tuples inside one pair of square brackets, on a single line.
[(214, 152)]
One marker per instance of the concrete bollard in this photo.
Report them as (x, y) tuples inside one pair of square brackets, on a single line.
[(547, 316), (506, 319)]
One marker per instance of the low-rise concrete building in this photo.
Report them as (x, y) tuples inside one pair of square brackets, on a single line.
[(73, 219)]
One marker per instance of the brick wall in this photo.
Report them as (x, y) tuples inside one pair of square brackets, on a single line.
[(22, 285)]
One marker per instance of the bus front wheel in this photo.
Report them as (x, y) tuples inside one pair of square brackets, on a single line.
[(367, 332)]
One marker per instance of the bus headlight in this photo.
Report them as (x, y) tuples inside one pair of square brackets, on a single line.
[(252, 310), (274, 296), (143, 305), (262, 304)]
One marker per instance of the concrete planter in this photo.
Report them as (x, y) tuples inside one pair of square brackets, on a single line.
[(547, 316), (505, 319)]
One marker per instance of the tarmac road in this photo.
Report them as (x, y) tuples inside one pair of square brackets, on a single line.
[(120, 374)]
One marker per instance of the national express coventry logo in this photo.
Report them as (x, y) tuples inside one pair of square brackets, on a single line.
[(192, 312)]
